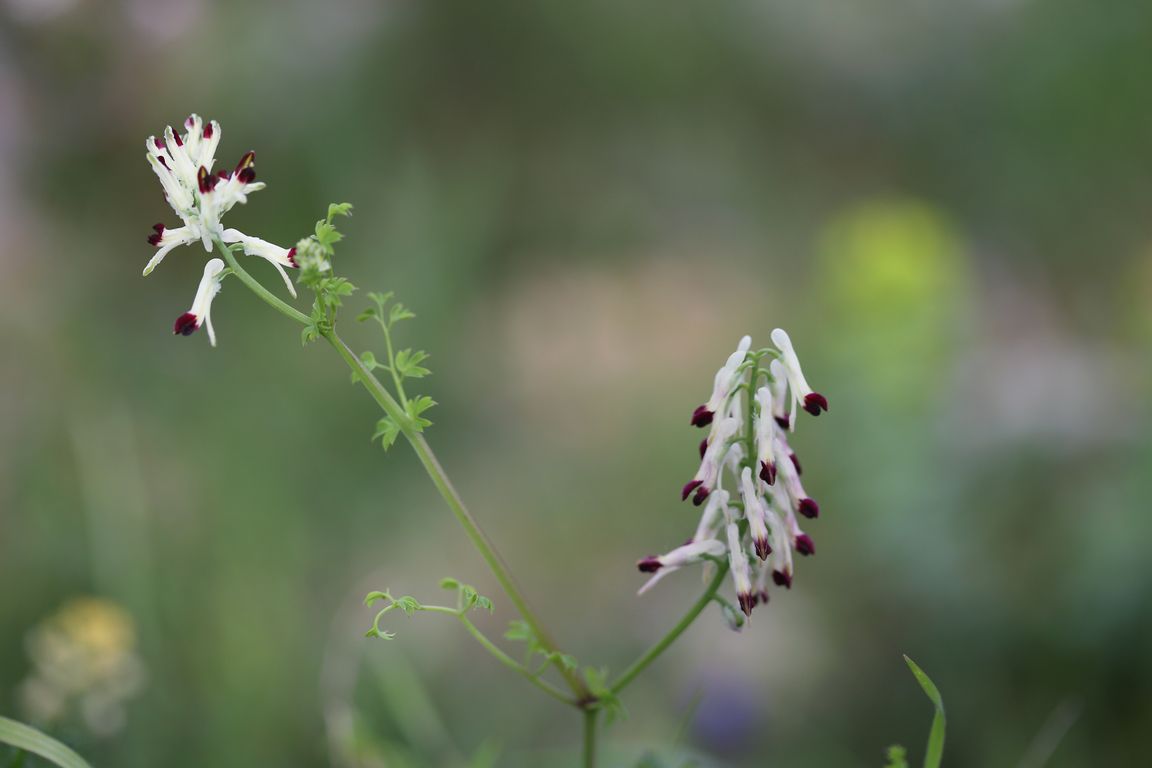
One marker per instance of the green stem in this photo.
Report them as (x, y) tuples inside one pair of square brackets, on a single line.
[(590, 716), (512, 664), (396, 377), (471, 527), (268, 297), (500, 655), (653, 653), (432, 466)]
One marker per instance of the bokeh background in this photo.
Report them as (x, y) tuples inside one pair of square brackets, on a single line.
[(586, 203)]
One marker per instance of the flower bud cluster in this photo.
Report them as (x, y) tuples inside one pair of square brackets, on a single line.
[(753, 525)]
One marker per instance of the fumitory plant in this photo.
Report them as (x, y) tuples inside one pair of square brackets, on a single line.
[(748, 483)]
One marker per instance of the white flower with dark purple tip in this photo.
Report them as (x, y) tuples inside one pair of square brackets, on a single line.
[(813, 402), (741, 573), (274, 254), (722, 385), (779, 386), (789, 471), (707, 475), (201, 311), (765, 436), (692, 552), (755, 513)]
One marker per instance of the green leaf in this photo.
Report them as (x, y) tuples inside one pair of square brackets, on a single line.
[(31, 740), (375, 595), (417, 406), (484, 603), (380, 298), (597, 680), (311, 332), (408, 364), (339, 209), (518, 629), (449, 583), (408, 604), (367, 314), (387, 431), (935, 752), (399, 312), (897, 757)]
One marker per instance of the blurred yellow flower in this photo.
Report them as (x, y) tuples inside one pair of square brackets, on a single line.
[(85, 664)]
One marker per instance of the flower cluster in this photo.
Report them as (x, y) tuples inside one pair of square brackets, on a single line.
[(753, 527), (200, 197), (85, 667)]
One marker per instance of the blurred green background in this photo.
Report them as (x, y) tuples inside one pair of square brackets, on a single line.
[(587, 203)]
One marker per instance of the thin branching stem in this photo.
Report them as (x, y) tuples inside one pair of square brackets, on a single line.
[(432, 466), (653, 653)]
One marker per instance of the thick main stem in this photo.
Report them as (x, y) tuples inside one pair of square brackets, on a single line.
[(590, 717)]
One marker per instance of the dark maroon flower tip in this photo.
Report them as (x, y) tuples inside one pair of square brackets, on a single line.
[(186, 324), (291, 257), (815, 402), (176, 137), (158, 142), (762, 548), (246, 175), (796, 463), (190, 122), (768, 472), (781, 579), (246, 161), (809, 508), (763, 596), (163, 162), (747, 603), (783, 423), (804, 545), (224, 175), (701, 494), (649, 564), (206, 181), (702, 417), (689, 487), (154, 238), (703, 447), (208, 131)]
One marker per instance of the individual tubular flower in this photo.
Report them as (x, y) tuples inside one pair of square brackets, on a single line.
[(790, 472), (813, 402), (741, 573), (765, 436), (708, 474), (274, 254), (747, 446), (692, 552), (201, 311), (725, 378), (756, 514)]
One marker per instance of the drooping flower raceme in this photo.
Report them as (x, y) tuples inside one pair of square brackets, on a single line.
[(753, 528), (200, 197)]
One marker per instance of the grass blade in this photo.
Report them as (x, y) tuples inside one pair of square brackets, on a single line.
[(935, 750), (31, 740)]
